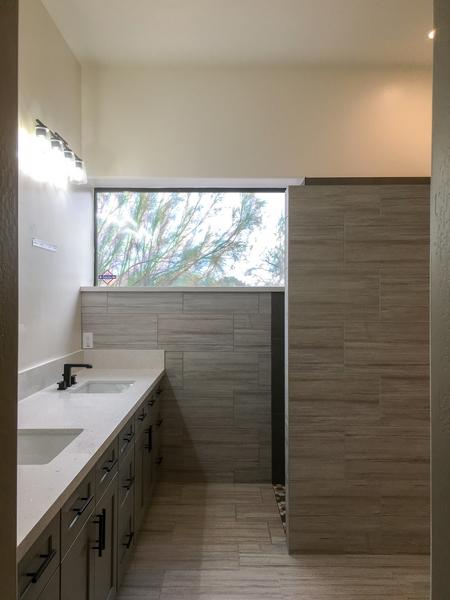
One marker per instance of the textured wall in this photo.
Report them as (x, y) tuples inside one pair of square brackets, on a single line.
[(358, 399), (8, 293), (440, 306), (217, 416)]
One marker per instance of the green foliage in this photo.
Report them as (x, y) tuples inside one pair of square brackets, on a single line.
[(182, 239)]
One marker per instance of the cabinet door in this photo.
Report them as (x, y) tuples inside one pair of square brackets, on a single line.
[(39, 563), (139, 499), (51, 591), (77, 569), (125, 537), (156, 451), (143, 469), (105, 543), (147, 465), (126, 477)]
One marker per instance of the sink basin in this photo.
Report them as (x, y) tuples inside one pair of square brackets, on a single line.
[(102, 387), (41, 446)]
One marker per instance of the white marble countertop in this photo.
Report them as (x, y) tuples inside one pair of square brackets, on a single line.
[(43, 489)]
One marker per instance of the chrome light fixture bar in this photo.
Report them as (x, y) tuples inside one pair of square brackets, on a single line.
[(62, 157)]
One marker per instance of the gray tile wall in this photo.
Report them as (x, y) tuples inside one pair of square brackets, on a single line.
[(358, 399), (217, 423)]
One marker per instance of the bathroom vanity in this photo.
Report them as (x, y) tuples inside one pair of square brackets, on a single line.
[(88, 462)]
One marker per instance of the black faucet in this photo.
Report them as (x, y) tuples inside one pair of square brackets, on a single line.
[(69, 379)]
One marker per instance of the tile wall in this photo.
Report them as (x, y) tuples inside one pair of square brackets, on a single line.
[(358, 399), (217, 412)]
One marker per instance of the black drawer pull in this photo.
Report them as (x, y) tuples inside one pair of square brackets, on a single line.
[(80, 510), (129, 484), (151, 402), (149, 444), (108, 469), (128, 437), (159, 460), (159, 392), (130, 540), (112, 464), (48, 559), (101, 533), (159, 423), (38, 574), (142, 416)]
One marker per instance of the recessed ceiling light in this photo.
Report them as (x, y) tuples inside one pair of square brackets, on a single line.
[(432, 34)]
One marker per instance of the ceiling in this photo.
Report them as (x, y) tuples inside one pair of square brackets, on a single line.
[(246, 32)]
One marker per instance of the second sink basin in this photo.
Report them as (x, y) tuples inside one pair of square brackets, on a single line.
[(41, 446), (102, 387)]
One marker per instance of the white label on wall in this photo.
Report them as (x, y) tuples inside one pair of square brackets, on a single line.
[(44, 245)]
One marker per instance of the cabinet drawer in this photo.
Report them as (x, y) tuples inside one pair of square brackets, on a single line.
[(155, 406), (106, 469), (76, 511), (126, 437), (39, 563), (77, 568), (142, 417), (126, 478)]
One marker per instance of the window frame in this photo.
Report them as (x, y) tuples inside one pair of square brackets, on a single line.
[(212, 190)]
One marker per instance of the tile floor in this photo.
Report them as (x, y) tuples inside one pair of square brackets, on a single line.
[(226, 542)]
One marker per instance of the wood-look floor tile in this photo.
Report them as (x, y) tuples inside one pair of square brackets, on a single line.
[(226, 542)]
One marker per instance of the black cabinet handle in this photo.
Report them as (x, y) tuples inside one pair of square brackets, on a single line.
[(112, 464), (48, 559), (142, 417), (101, 533), (160, 422), (130, 540), (159, 460), (129, 484), (128, 437), (80, 510), (151, 402), (38, 574), (148, 446)]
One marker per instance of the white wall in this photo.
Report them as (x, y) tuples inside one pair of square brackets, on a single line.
[(50, 89), (256, 122)]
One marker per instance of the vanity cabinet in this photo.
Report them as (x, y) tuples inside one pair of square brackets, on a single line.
[(88, 569), (85, 550), (126, 529), (143, 462), (39, 563), (143, 467), (76, 511), (156, 424), (105, 543), (77, 568)]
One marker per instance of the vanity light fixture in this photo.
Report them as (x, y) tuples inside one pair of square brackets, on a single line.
[(60, 159)]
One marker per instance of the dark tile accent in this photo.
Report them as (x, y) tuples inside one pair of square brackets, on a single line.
[(277, 368)]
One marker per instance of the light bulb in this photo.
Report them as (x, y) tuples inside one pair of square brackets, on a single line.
[(69, 160), (80, 171), (58, 171), (432, 34), (42, 141)]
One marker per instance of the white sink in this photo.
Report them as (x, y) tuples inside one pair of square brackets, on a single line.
[(102, 387), (41, 446)]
